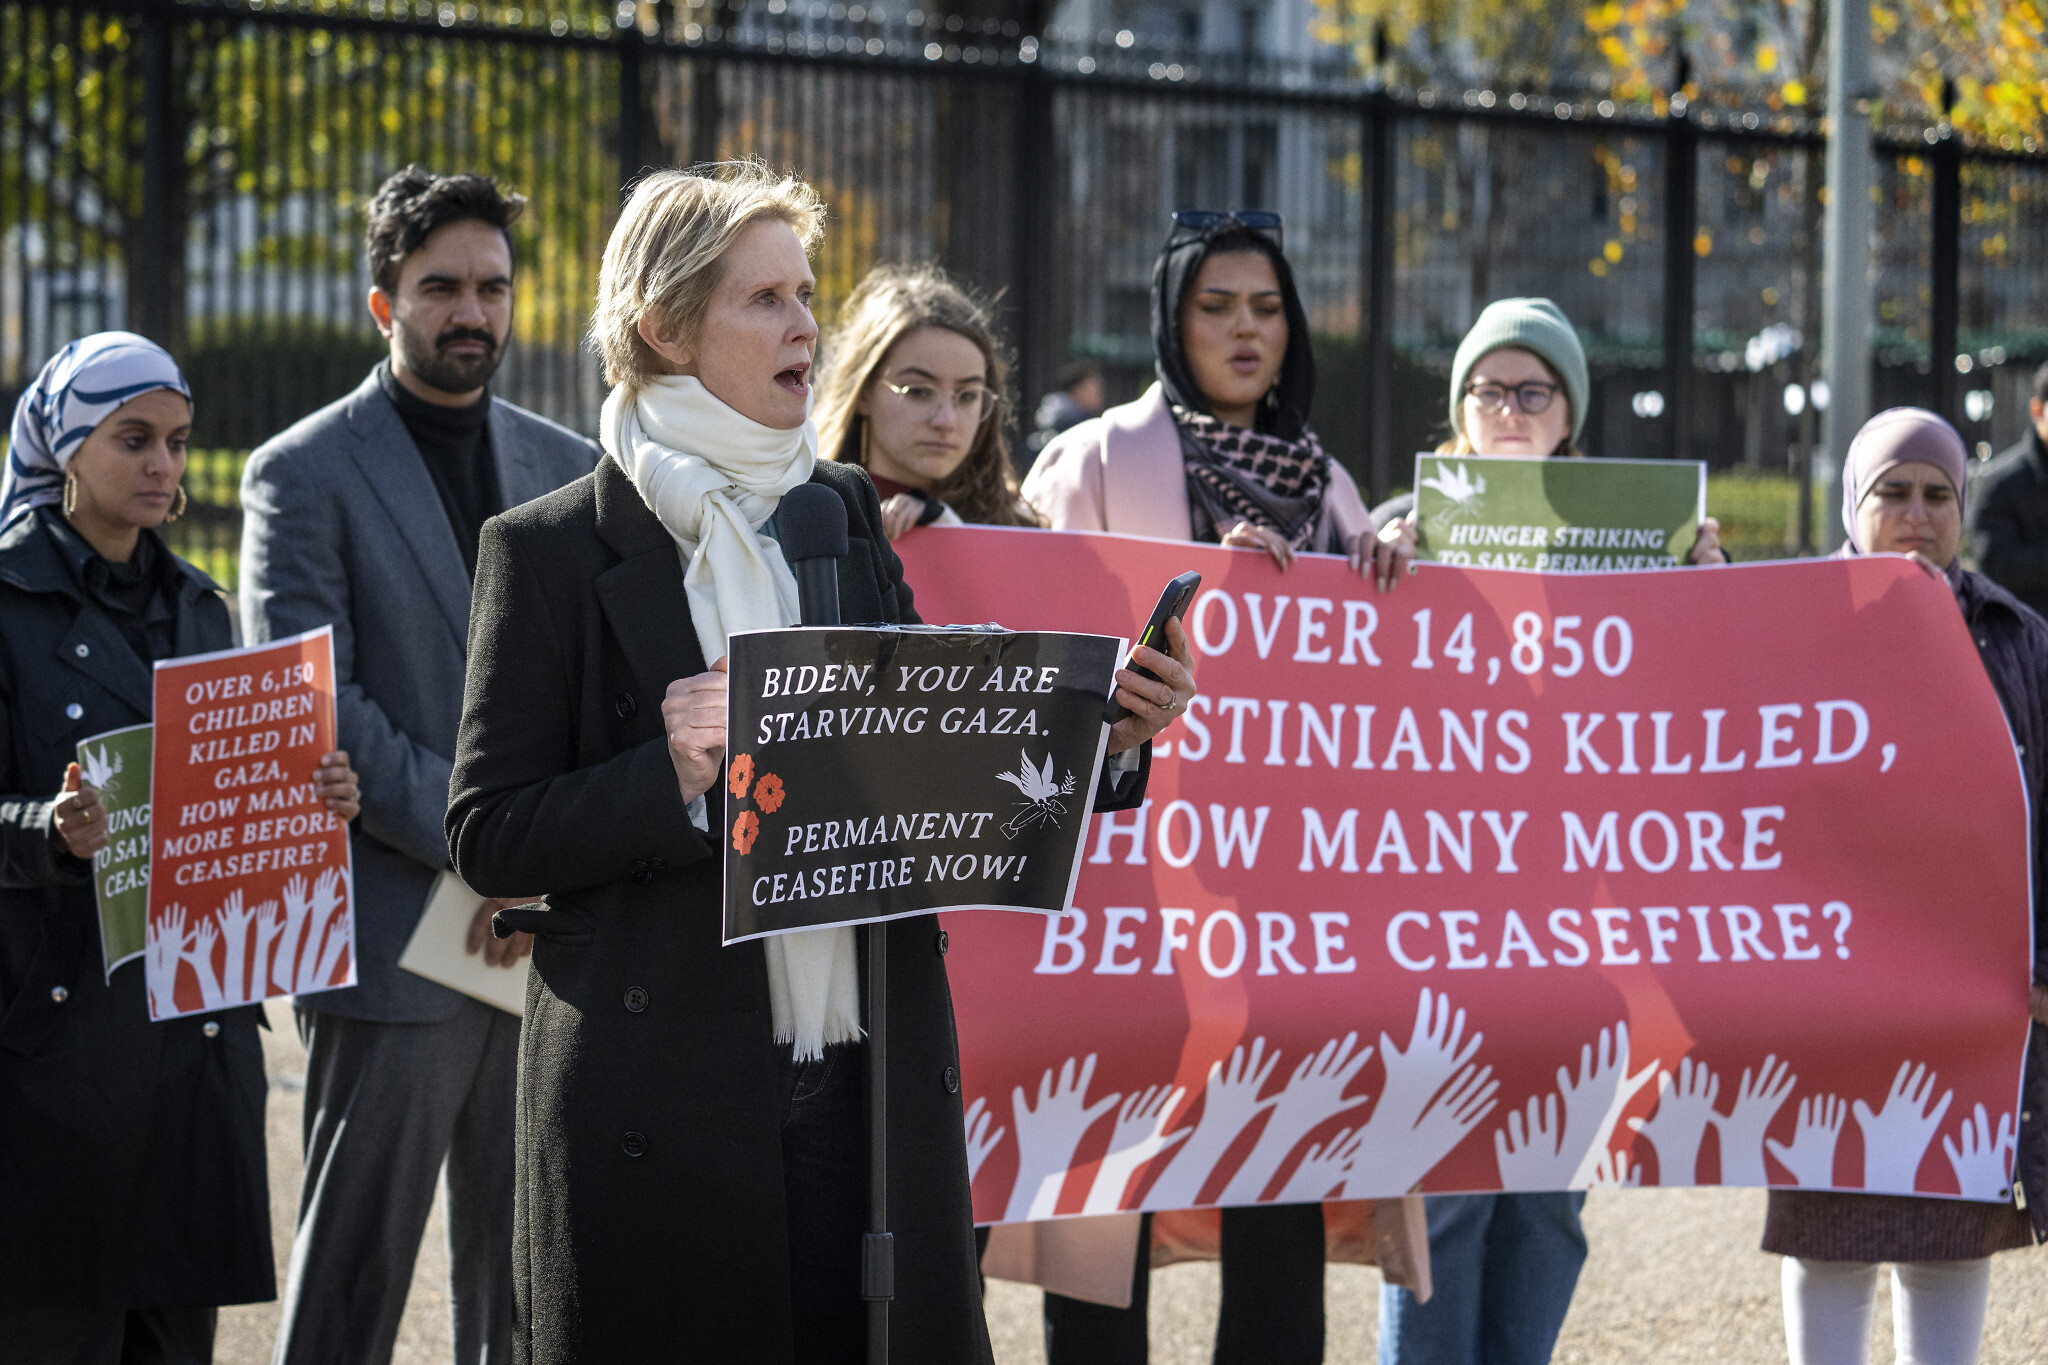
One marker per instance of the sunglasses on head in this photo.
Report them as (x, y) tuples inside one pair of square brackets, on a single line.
[(1195, 224)]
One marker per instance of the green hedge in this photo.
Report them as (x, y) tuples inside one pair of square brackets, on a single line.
[(1759, 514), (210, 532)]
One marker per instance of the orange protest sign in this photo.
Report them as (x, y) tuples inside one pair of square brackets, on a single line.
[(249, 878)]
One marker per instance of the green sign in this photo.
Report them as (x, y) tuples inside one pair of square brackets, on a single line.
[(117, 763), (1561, 516)]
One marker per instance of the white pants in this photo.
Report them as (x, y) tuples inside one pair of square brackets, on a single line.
[(1937, 1310)]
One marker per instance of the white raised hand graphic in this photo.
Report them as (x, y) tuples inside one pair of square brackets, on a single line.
[(1230, 1100), (1539, 1154), (1982, 1161), (1530, 1155), (298, 908), (1322, 1171), (1895, 1138), (327, 900), (1811, 1157), (1048, 1135), (234, 927), (269, 924), (1680, 1122), (204, 935), (1314, 1093), (1593, 1105), (1757, 1102), (1613, 1171), (1392, 1158), (164, 941), (980, 1141), (1433, 1056), (1140, 1135)]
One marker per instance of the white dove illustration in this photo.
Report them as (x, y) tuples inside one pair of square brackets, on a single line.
[(1453, 483), (1041, 803), (98, 771)]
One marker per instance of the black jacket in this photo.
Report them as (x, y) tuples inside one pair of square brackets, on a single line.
[(649, 1211), (2013, 643), (132, 1165), (2006, 529)]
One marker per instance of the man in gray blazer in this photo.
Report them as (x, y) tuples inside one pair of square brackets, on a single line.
[(365, 516)]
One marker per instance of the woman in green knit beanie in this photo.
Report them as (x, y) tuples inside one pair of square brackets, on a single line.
[(1519, 386)]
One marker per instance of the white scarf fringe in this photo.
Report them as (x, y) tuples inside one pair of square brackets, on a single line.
[(714, 477)]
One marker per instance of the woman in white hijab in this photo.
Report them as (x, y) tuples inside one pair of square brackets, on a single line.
[(691, 1134)]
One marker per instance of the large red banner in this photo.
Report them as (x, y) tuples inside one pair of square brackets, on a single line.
[(1509, 881)]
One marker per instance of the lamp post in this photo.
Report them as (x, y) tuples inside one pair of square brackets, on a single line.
[(1845, 297)]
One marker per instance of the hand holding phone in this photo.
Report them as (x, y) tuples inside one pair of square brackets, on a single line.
[(1173, 605)]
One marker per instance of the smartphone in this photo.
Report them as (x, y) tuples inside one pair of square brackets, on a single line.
[(1173, 604)]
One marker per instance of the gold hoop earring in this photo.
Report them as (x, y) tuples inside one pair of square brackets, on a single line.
[(70, 494), (178, 509)]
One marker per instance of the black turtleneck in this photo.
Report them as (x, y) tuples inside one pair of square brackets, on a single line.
[(456, 445)]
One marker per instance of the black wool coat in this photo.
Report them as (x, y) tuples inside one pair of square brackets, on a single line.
[(132, 1163), (2006, 529), (650, 1220)]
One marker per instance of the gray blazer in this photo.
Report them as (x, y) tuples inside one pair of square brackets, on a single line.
[(342, 526)]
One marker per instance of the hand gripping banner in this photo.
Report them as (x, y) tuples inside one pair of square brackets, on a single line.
[(1509, 881)]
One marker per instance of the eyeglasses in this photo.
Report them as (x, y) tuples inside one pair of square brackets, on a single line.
[(1532, 397), (1195, 224), (974, 403)]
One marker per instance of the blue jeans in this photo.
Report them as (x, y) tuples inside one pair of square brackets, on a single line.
[(1503, 1267)]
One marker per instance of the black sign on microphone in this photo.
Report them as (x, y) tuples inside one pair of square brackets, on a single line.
[(877, 772)]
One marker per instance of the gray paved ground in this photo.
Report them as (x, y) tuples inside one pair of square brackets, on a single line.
[(1674, 1278)]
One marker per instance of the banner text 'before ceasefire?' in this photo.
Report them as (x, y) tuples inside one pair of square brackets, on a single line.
[(1127, 937)]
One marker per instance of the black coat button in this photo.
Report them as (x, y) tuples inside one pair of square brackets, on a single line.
[(636, 1000), (626, 706), (634, 1144), (952, 1080), (643, 877), (943, 943)]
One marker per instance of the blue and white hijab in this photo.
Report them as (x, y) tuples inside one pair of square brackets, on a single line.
[(81, 387)]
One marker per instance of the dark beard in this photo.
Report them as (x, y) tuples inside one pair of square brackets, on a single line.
[(429, 363)]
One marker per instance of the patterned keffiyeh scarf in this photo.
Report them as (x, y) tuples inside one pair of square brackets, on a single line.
[(1237, 474)]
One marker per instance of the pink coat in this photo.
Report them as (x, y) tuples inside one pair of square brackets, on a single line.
[(1122, 472)]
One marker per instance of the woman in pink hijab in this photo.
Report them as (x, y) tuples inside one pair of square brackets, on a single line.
[(1903, 486)]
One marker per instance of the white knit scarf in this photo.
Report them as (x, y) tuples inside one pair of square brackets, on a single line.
[(714, 477)]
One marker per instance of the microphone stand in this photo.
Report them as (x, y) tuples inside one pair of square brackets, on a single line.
[(817, 580)]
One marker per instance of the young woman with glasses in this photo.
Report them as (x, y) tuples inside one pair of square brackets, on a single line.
[(1219, 450), (913, 393)]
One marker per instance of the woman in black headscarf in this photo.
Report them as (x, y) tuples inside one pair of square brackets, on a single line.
[(1219, 450)]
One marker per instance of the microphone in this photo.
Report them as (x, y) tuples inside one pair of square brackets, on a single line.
[(811, 523)]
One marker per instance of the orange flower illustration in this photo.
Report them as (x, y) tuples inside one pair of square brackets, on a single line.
[(768, 791), (745, 830), (739, 774)]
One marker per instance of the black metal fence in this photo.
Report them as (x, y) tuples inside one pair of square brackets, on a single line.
[(196, 171)]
